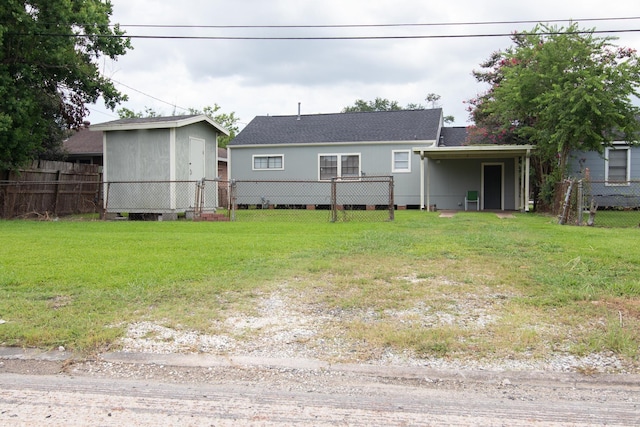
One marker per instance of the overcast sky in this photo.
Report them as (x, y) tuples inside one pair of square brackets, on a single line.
[(270, 77)]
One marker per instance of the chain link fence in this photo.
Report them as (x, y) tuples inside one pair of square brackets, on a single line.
[(600, 203), (339, 200), (366, 198)]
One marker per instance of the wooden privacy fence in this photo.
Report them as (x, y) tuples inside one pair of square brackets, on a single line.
[(47, 187)]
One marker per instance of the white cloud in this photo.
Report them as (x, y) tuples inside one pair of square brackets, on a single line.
[(257, 77)]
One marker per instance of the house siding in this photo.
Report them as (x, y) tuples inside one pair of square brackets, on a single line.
[(301, 163), (449, 179), (608, 194), (597, 164)]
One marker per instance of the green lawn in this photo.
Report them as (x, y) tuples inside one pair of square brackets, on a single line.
[(548, 287)]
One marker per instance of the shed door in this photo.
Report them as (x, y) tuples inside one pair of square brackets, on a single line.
[(196, 159), (196, 166)]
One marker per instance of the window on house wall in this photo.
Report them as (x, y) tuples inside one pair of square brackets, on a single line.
[(617, 166), (268, 162), (401, 161), (350, 166), (339, 165)]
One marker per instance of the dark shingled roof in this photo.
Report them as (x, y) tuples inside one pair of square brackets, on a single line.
[(402, 125), (84, 142), (453, 137)]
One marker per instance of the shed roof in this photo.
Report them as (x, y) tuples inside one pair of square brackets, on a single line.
[(401, 125), (158, 123)]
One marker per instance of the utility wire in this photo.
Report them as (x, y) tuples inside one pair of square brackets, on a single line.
[(431, 24), (406, 37), (150, 96)]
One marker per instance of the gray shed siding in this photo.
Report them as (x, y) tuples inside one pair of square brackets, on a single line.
[(301, 162), (137, 155)]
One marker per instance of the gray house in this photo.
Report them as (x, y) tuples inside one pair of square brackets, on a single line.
[(431, 165), (614, 176), (152, 165)]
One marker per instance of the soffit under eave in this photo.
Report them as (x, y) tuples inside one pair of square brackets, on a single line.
[(444, 153)]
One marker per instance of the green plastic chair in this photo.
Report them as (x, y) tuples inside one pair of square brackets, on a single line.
[(471, 197)]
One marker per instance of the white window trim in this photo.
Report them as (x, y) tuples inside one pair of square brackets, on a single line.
[(253, 162), (606, 167), (340, 155), (393, 161)]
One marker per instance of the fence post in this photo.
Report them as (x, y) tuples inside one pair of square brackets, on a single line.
[(334, 200), (391, 200), (106, 200), (232, 199), (56, 191), (580, 202)]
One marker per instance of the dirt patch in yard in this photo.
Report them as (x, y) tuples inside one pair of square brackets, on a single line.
[(451, 329)]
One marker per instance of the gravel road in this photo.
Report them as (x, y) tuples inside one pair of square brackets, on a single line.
[(169, 389)]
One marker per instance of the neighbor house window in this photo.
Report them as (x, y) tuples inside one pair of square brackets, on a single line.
[(617, 166), (268, 162), (401, 161), (339, 166)]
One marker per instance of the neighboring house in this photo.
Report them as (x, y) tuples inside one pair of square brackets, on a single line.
[(151, 165), (614, 176), (223, 175), (84, 146), (431, 166)]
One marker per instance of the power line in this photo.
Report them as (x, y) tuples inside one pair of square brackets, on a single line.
[(150, 96), (304, 38), (431, 24)]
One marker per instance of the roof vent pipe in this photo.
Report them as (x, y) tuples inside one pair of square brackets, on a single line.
[(298, 111)]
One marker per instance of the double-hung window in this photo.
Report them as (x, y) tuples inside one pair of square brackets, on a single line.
[(401, 161), (268, 162), (617, 166), (338, 166)]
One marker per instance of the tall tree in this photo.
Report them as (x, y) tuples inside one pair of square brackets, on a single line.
[(379, 104), (561, 89), (228, 120), (383, 104), (49, 53)]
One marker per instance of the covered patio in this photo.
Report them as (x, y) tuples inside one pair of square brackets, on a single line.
[(499, 174)]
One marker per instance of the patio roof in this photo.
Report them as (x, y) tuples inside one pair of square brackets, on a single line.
[(473, 151)]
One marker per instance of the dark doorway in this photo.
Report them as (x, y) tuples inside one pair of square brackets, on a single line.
[(492, 188)]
